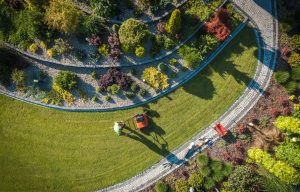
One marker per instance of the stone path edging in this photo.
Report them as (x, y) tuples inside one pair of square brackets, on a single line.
[(250, 97), (160, 94), (161, 57)]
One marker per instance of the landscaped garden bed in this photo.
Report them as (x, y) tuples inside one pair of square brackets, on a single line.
[(139, 80), (78, 151)]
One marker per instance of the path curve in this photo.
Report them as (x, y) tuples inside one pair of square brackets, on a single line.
[(263, 15)]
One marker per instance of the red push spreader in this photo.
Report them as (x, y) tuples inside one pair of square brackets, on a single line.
[(220, 129)]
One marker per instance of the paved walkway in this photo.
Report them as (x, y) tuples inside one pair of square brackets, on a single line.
[(263, 16)]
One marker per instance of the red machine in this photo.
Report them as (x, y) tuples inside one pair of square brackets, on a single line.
[(220, 129), (141, 121)]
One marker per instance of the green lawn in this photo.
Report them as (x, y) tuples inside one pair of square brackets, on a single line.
[(49, 150)]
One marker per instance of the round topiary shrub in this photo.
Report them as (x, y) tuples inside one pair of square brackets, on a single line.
[(203, 160), (296, 73), (290, 87), (33, 48), (282, 76), (196, 181), (161, 187), (133, 33), (140, 52)]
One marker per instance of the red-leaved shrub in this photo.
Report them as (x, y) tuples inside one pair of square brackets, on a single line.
[(274, 112), (217, 25)]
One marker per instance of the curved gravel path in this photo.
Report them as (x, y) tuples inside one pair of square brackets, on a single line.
[(264, 18)]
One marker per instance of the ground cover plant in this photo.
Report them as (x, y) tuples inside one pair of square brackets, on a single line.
[(79, 151)]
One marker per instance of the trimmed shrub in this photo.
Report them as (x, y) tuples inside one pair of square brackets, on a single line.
[(296, 73), (217, 176), (295, 42), (205, 171), (203, 160), (216, 165), (107, 98), (133, 33), (61, 46), (290, 124), (289, 153), (174, 24), (104, 50), (66, 80), (93, 25), (155, 79), (227, 169), (282, 76), (181, 185), (209, 183), (134, 87), (19, 78), (294, 60), (161, 187), (50, 53), (104, 8), (244, 178), (94, 75), (113, 89), (280, 169), (33, 48), (129, 94), (290, 87), (114, 76), (173, 62), (142, 92), (196, 181), (140, 51)]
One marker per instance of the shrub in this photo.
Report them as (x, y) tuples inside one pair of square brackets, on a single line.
[(104, 50), (104, 8), (280, 169), (133, 33), (203, 160), (61, 46), (94, 75), (134, 87), (129, 94), (181, 185), (155, 79), (192, 60), (290, 124), (217, 26), (173, 74), (66, 80), (289, 152), (107, 98), (19, 78), (161, 187), (217, 176), (290, 87), (196, 181), (205, 171), (114, 76), (209, 183), (140, 51), (216, 165), (114, 89), (33, 48), (63, 16), (227, 169), (295, 42), (294, 60), (161, 26), (115, 28), (142, 92), (173, 62), (58, 94), (94, 40), (174, 24), (296, 73), (132, 72), (245, 179), (274, 113), (50, 53), (282, 77), (98, 90), (93, 25), (114, 42), (95, 99), (168, 43)]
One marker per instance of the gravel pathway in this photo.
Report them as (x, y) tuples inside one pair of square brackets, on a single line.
[(263, 16)]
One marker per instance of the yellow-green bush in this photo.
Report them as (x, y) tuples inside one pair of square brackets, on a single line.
[(104, 50), (140, 52), (174, 24), (33, 48), (155, 79)]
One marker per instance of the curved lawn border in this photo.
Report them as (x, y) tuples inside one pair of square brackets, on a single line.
[(263, 74), (52, 61), (160, 94)]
